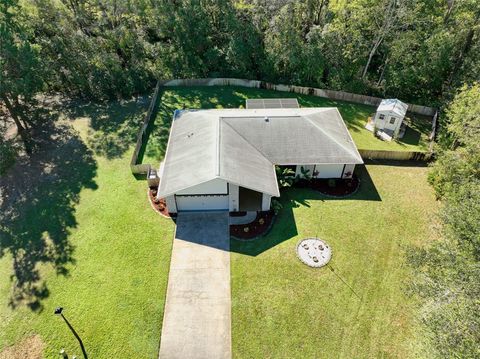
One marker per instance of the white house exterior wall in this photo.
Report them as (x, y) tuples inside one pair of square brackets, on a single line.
[(233, 197), (298, 171), (322, 170), (348, 169), (329, 171)]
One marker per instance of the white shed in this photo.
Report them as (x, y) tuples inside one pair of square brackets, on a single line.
[(389, 116)]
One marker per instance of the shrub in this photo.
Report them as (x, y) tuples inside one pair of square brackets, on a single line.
[(276, 205)]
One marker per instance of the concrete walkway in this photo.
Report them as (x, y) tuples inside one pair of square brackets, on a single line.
[(197, 319), (248, 218)]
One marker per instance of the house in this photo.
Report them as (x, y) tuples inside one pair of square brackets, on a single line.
[(389, 117), (224, 159)]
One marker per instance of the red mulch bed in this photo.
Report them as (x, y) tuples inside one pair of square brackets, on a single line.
[(260, 226), (158, 204), (333, 187)]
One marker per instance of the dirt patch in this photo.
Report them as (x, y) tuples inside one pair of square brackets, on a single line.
[(259, 227), (28, 348)]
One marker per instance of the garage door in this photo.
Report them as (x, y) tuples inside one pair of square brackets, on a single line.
[(202, 203), (329, 171)]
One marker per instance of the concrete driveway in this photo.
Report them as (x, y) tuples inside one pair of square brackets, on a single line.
[(197, 319)]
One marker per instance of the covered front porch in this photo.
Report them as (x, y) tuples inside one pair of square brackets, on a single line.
[(249, 200)]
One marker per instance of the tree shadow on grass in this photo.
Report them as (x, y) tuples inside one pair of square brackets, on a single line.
[(37, 205), (114, 125)]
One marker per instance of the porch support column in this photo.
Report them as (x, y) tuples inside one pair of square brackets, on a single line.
[(266, 202), (171, 204)]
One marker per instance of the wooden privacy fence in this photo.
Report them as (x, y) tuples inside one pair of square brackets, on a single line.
[(330, 94), (395, 155), (136, 167), (143, 168)]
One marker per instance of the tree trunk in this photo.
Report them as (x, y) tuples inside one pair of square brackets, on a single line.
[(370, 56), (450, 5), (383, 72), (21, 130)]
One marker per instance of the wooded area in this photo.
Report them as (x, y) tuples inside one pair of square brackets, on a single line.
[(422, 51)]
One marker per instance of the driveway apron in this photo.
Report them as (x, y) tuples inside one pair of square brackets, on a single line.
[(197, 319)]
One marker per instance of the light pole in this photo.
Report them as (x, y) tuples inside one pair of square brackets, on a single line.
[(58, 311)]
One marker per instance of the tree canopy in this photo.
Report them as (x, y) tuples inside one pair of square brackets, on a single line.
[(448, 270)]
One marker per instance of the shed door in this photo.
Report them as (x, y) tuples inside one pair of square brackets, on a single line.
[(202, 203)]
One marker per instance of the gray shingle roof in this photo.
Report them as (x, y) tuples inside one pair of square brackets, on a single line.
[(242, 146), (393, 105)]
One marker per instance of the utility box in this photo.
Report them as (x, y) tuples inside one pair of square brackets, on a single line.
[(152, 178)]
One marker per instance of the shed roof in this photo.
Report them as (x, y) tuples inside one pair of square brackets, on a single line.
[(242, 146), (393, 105)]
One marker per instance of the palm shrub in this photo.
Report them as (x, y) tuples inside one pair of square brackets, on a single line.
[(285, 176)]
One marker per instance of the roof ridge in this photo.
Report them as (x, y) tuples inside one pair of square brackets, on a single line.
[(329, 136), (251, 144)]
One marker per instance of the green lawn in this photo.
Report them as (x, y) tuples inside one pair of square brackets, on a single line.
[(354, 308), (85, 238), (78, 232), (355, 115)]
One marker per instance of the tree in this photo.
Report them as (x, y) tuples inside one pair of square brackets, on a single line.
[(293, 44), (448, 269), (459, 149), (20, 68)]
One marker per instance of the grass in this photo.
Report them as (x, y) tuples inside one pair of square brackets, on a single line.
[(355, 116), (85, 238), (88, 241), (357, 306)]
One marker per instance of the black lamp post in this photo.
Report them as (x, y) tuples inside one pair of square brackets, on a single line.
[(59, 311)]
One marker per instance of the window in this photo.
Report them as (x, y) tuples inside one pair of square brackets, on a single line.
[(392, 120), (381, 117)]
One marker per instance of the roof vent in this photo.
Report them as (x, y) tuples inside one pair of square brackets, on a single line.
[(190, 134), (266, 119)]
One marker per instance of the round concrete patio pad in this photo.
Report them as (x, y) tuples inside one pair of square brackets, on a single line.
[(314, 252)]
